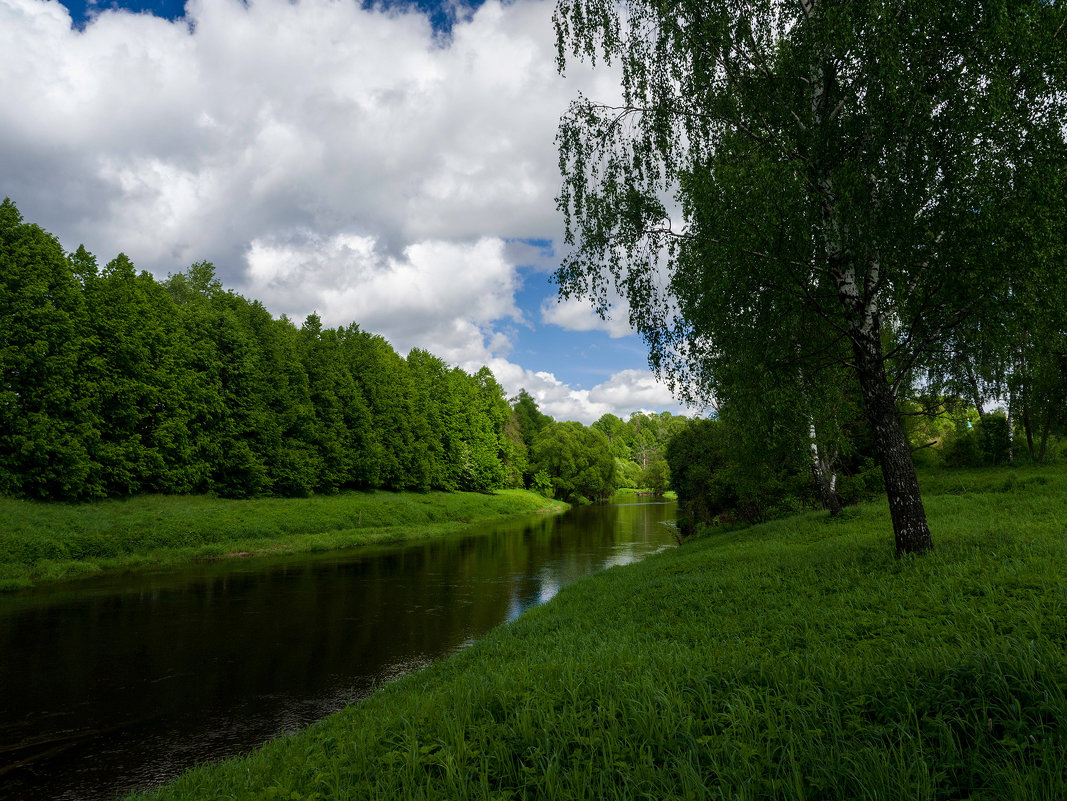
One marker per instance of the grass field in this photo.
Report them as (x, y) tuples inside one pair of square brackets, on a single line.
[(41, 542), (793, 660)]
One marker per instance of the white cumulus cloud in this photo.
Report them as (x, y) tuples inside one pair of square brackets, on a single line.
[(622, 394), (325, 156), (438, 295), (183, 140), (576, 314)]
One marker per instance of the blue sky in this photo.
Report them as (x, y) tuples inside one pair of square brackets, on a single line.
[(440, 14), (391, 164)]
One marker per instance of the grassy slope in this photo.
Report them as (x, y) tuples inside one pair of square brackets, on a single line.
[(51, 541), (797, 659)]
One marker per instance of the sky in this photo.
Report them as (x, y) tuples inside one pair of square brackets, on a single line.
[(389, 164)]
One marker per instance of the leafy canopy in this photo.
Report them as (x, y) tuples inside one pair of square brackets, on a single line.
[(764, 154)]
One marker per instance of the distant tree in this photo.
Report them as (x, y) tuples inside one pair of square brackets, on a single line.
[(530, 417), (454, 431), (698, 458), (618, 434), (657, 477), (542, 484), (645, 445), (517, 459), (577, 460), (386, 383), (189, 430), (643, 436), (284, 429), (133, 366), (628, 474), (489, 447), (222, 374), (341, 419), (439, 417), (238, 468)]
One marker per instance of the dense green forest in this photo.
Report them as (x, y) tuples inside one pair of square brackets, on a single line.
[(114, 383)]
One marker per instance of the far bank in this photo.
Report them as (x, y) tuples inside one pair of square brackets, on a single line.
[(47, 542)]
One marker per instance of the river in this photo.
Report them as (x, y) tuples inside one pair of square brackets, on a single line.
[(118, 683)]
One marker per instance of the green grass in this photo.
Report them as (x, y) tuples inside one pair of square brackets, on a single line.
[(794, 660), (669, 495), (42, 542)]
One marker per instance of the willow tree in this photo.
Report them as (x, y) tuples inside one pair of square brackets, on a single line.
[(791, 185)]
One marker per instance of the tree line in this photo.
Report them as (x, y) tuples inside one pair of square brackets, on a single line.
[(579, 463), (113, 383)]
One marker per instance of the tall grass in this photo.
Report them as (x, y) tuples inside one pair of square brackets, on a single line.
[(794, 660), (51, 541)]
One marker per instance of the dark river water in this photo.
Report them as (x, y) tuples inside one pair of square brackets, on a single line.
[(118, 683)]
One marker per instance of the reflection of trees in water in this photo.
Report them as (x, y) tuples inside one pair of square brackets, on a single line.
[(242, 653)]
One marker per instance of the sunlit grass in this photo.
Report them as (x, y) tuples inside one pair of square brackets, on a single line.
[(625, 493), (794, 660), (51, 541)]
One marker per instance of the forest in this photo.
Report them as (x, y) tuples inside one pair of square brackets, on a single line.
[(115, 383)]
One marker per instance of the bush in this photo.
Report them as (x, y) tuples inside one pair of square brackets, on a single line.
[(993, 438), (985, 443), (863, 485), (962, 448)]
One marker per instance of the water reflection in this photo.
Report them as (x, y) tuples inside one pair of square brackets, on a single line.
[(124, 682)]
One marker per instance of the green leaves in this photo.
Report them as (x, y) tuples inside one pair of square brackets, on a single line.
[(112, 384), (45, 421), (576, 459), (807, 188)]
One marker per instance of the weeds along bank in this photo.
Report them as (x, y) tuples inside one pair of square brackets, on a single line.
[(797, 659), (53, 541)]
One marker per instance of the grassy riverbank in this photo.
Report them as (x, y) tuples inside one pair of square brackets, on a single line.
[(626, 493), (42, 542), (794, 660)]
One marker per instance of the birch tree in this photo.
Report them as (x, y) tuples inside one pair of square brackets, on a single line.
[(816, 177)]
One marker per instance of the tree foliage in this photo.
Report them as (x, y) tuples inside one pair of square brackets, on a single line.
[(46, 424), (577, 460), (637, 443), (1013, 350), (791, 187), (112, 383), (697, 458)]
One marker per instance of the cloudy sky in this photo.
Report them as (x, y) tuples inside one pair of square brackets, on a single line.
[(390, 165)]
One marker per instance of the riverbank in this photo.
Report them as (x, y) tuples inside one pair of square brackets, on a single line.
[(798, 659), (623, 494), (46, 542)]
